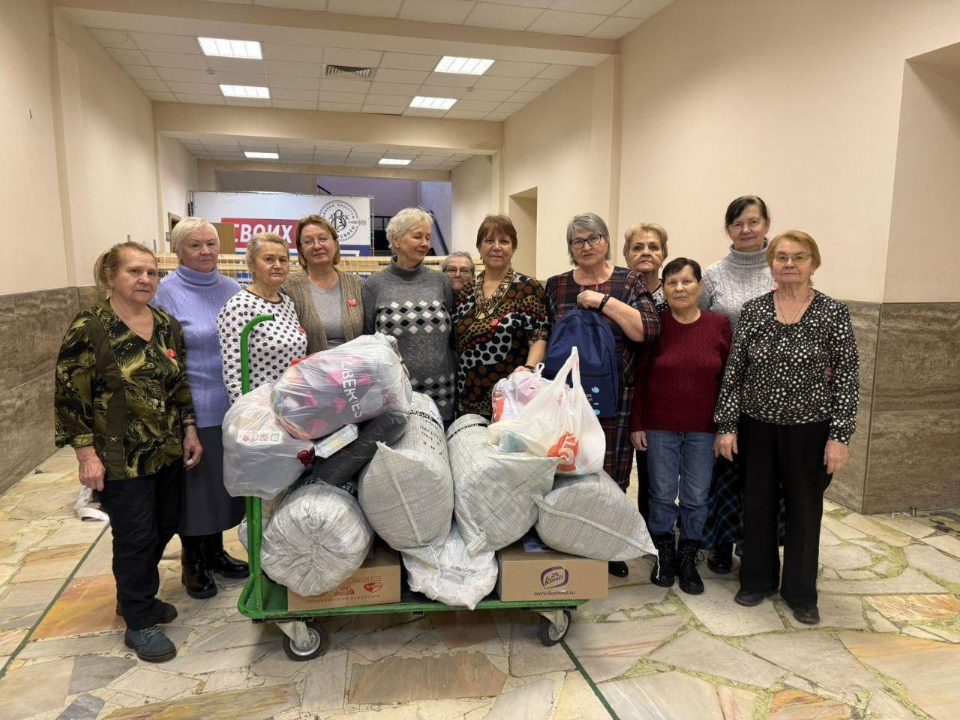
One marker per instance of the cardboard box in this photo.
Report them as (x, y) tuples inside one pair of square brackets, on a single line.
[(227, 234), (377, 582), (531, 571)]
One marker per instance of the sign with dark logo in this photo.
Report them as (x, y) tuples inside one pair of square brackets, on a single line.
[(554, 577), (344, 218)]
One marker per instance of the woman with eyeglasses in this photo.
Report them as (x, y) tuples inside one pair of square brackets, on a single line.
[(787, 409), (621, 298), (272, 346), (459, 269), (328, 302), (500, 323), (727, 284)]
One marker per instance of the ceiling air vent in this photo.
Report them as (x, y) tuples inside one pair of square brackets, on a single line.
[(348, 71)]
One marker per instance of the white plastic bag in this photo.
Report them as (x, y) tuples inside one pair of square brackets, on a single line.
[(260, 458), (449, 574), (345, 385), (558, 422), (514, 392)]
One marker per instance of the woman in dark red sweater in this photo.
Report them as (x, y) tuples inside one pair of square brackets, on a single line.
[(677, 384)]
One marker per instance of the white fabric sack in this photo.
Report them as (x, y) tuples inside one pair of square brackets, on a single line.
[(514, 392), (558, 422), (266, 510), (344, 385), (449, 574), (260, 458), (316, 538), (592, 517), (494, 492), (406, 491)]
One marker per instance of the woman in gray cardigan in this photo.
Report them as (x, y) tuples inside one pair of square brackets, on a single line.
[(328, 302)]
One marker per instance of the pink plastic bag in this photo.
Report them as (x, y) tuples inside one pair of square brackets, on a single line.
[(515, 392)]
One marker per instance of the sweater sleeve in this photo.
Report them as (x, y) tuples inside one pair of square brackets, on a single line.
[(727, 414), (369, 298), (845, 362), (641, 372), (229, 325), (73, 392)]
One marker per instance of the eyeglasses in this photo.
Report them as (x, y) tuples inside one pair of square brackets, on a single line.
[(798, 258), (322, 239), (752, 223), (466, 272), (578, 243)]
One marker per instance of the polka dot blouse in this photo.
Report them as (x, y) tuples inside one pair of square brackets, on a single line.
[(273, 345), (792, 374)]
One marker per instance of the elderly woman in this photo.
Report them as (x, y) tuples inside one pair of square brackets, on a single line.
[(727, 284), (122, 401), (787, 407), (677, 383), (620, 297), (194, 294), (328, 302), (414, 304), (272, 346), (458, 267), (500, 324)]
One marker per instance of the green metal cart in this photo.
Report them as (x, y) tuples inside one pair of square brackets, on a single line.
[(263, 600)]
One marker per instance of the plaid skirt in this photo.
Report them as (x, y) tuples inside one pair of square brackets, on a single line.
[(725, 513), (618, 456)]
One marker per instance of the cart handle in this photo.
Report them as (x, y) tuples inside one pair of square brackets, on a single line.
[(254, 510)]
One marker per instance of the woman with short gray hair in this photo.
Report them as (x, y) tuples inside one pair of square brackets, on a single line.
[(414, 304), (459, 269), (621, 299)]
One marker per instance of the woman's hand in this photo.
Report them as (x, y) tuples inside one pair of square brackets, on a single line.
[(92, 472), (192, 449), (589, 299), (639, 439), (725, 444), (835, 456)]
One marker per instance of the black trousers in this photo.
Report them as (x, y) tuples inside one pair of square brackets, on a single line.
[(144, 514), (788, 459), (643, 485)]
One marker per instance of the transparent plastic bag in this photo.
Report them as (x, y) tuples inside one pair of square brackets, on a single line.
[(260, 459), (514, 392), (447, 573), (347, 384)]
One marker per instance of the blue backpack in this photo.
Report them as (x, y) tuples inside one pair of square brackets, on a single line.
[(589, 333)]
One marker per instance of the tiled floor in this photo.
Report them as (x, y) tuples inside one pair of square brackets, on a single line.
[(888, 647)]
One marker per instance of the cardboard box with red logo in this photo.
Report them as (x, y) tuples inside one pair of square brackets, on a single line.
[(377, 582), (531, 571)]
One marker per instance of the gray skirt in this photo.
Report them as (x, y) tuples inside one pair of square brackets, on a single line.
[(207, 508)]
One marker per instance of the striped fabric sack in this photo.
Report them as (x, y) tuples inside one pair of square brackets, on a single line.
[(590, 516), (406, 491)]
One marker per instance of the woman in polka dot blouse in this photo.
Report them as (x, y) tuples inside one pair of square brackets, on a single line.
[(787, 408), (272, 345)]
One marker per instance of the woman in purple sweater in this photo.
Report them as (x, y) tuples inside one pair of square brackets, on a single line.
[(677, 384), (194, 294)]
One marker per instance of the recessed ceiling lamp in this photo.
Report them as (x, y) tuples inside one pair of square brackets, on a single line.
[(394, 161), (462, 65), (261, 155), (432, 103), (253, 92), (221, 47)]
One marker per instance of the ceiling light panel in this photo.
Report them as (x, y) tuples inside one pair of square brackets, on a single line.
[(432, 103), (221, 47), (394, 161), (261, 155), (253, 92), (463, 65)]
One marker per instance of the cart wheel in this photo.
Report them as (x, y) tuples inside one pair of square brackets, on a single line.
[(551, 634), (317, 645)]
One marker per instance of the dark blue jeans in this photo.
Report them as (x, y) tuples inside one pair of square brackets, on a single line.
[(679, 463)]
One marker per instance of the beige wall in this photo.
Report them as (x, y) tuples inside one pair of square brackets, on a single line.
[(474, 194), (108, 152), (561, 145), (796, 101), (29, 190), (178, 170)]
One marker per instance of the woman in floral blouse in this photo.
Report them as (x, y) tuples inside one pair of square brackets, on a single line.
[(500, 322)]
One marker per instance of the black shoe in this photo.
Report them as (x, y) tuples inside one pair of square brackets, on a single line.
[(166, 613), (150, 644), (690, 581), (664, 569), (193, 572), (750, 599), (808, 615), (218, 561), (618, 568), (720, 560)]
